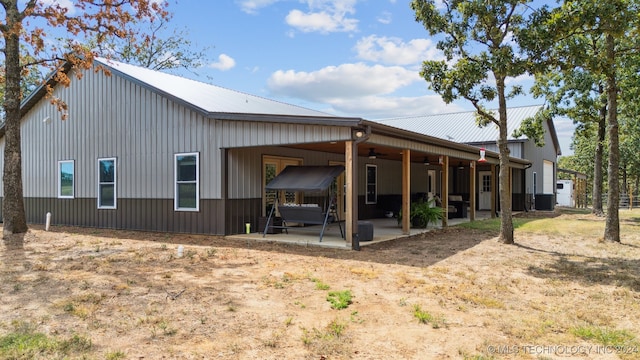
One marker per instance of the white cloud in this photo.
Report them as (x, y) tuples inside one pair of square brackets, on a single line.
[(391, 50), (384, 107), (524, 78), (224, 63), (321, 22), (385, 18), (252, 6), (344, 81), (325, 16), (66, 4), (358, 90)]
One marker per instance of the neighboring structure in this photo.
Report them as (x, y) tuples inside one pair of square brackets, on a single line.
[(145, 150), (576, 185), (565, 194), (539, 180)]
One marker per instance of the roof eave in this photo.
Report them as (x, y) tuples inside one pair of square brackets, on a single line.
[(406, 134), (554, 136), (36, 95), (289, 119)]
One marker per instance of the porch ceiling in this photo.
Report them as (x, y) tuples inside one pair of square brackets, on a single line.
[(382, 152)]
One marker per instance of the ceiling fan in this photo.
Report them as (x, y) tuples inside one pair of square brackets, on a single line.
[(373, 154)]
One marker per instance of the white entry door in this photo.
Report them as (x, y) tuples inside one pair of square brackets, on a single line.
[(484, 193)]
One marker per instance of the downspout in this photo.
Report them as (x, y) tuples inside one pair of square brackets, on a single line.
[(355, 242), (524, 186)]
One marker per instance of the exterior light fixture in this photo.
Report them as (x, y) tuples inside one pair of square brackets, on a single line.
[(426, 161), (482, 159), (372, 154)]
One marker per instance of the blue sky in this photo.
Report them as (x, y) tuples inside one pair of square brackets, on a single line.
[(346, 57)]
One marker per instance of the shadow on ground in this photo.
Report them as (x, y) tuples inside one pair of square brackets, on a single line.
[(589, 270), (419, 250)]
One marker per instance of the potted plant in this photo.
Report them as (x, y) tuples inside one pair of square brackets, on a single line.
[(422, 213)]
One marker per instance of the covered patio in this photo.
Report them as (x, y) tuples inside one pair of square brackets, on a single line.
[(385, 229), (386, 170)]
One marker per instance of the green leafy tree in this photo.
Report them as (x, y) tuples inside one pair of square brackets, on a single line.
[(27, 29), (610, 26), (575, 92), (481, 55), (630, 124)]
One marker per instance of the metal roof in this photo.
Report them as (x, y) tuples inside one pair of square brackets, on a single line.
[(462, 127), (208, 98)]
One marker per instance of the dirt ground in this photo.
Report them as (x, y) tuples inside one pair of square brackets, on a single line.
[(448, 294)]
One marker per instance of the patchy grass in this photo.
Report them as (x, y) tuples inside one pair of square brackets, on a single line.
[(424, 317), (558, 285), (340, 299), (25, 342), (331, 340), (605, 336)]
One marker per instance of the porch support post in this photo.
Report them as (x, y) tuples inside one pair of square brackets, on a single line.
[(511, 185), (523, 192), (406, 191), (494, 192), (472, 191), (351, 184), (445, 191)]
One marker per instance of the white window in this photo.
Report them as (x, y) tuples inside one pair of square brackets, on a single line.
[(372, 184), (187, 185), (107, 183), (66, 179)]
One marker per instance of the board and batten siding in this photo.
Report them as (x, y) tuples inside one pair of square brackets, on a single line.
[(245, 167), (110, 116), (537, 156), (113, 117), (515, 149), (236, 134)]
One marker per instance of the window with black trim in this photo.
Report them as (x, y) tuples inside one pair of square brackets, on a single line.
[(66, 179), (187, 182), (107, 183), (372, 184)]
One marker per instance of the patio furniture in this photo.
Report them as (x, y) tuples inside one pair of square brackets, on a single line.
[(457, 207), (365, 230), (307, 179)]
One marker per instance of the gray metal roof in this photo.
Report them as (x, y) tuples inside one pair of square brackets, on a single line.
[(206, 97), (305, 178), (462, 127)]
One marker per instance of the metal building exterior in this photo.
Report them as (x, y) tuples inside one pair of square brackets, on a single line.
[(144, 150), (537, 182)]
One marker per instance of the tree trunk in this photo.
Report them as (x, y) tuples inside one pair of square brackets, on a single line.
[(625, 184), (612, 222), (597, 162), (13, 213), (506, 216)]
